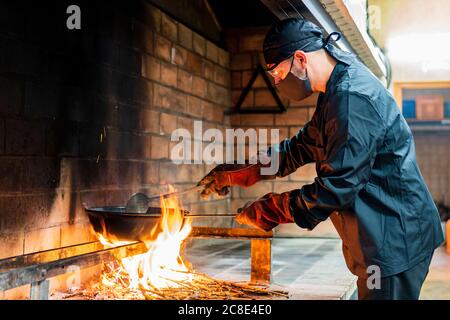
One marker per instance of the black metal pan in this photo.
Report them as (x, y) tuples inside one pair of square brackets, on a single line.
[(117, 224)]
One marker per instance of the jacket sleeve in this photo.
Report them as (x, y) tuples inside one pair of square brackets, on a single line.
[(353, 130), (298, 150)]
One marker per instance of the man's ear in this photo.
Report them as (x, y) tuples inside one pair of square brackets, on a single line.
[(301, 57)]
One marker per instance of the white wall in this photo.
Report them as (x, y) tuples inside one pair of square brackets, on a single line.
[(423, 21)]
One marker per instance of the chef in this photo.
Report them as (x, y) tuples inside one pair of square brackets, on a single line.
[(368, 181)]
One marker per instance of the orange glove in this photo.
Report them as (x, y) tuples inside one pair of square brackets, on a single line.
[(223, 176), (266, 212)]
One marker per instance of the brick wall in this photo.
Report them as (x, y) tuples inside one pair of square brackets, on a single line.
[(433, 152), (86, 115), (245, 47)]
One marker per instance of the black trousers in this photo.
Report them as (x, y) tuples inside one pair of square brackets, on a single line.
[(402, 286)]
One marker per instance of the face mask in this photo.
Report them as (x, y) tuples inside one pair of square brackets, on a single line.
[(294, 87)]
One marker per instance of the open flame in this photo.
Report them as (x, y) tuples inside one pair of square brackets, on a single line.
[(161, 272), (162, 266)]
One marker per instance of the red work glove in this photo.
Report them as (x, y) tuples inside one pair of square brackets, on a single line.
[(223, 176), (266, 212)]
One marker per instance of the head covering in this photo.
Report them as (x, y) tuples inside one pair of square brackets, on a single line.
[(292, 34)]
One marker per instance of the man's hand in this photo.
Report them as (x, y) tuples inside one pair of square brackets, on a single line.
[(222, 177), (267, 212)]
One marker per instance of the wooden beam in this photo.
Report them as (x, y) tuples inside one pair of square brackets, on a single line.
[(36, 268), (89, 247), (261, 260), (233, 233)]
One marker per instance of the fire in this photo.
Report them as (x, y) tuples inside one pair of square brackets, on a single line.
[(162, 266), (161, 272)]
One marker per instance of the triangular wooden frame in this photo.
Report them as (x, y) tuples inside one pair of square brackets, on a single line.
[(259, 70)]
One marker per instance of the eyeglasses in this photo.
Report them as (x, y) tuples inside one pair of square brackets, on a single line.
[(279, 71)]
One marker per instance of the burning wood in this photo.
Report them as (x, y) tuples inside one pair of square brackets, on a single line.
[(200, 286), (161, 272)]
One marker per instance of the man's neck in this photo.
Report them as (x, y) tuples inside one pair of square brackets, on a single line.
[(327, 67)]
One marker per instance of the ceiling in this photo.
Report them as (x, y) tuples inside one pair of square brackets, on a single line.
[(241, 13)]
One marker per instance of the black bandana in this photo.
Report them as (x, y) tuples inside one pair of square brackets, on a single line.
[(293, 34)]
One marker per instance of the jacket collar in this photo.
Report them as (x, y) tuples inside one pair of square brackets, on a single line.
[(344, 59), (335, 75)]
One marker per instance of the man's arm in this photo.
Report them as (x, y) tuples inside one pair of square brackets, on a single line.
[(353, 130), (292, 153), (298, 150)]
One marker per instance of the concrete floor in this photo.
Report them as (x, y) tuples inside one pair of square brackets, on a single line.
[(308, 268), (312, 268), (437, 283)]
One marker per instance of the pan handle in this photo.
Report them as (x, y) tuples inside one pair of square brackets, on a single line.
[(167, 195), (211, 215)]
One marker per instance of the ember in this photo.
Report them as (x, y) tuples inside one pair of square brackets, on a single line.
[(200, 286)]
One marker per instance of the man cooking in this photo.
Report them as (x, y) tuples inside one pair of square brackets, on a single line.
[(368, 181)]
